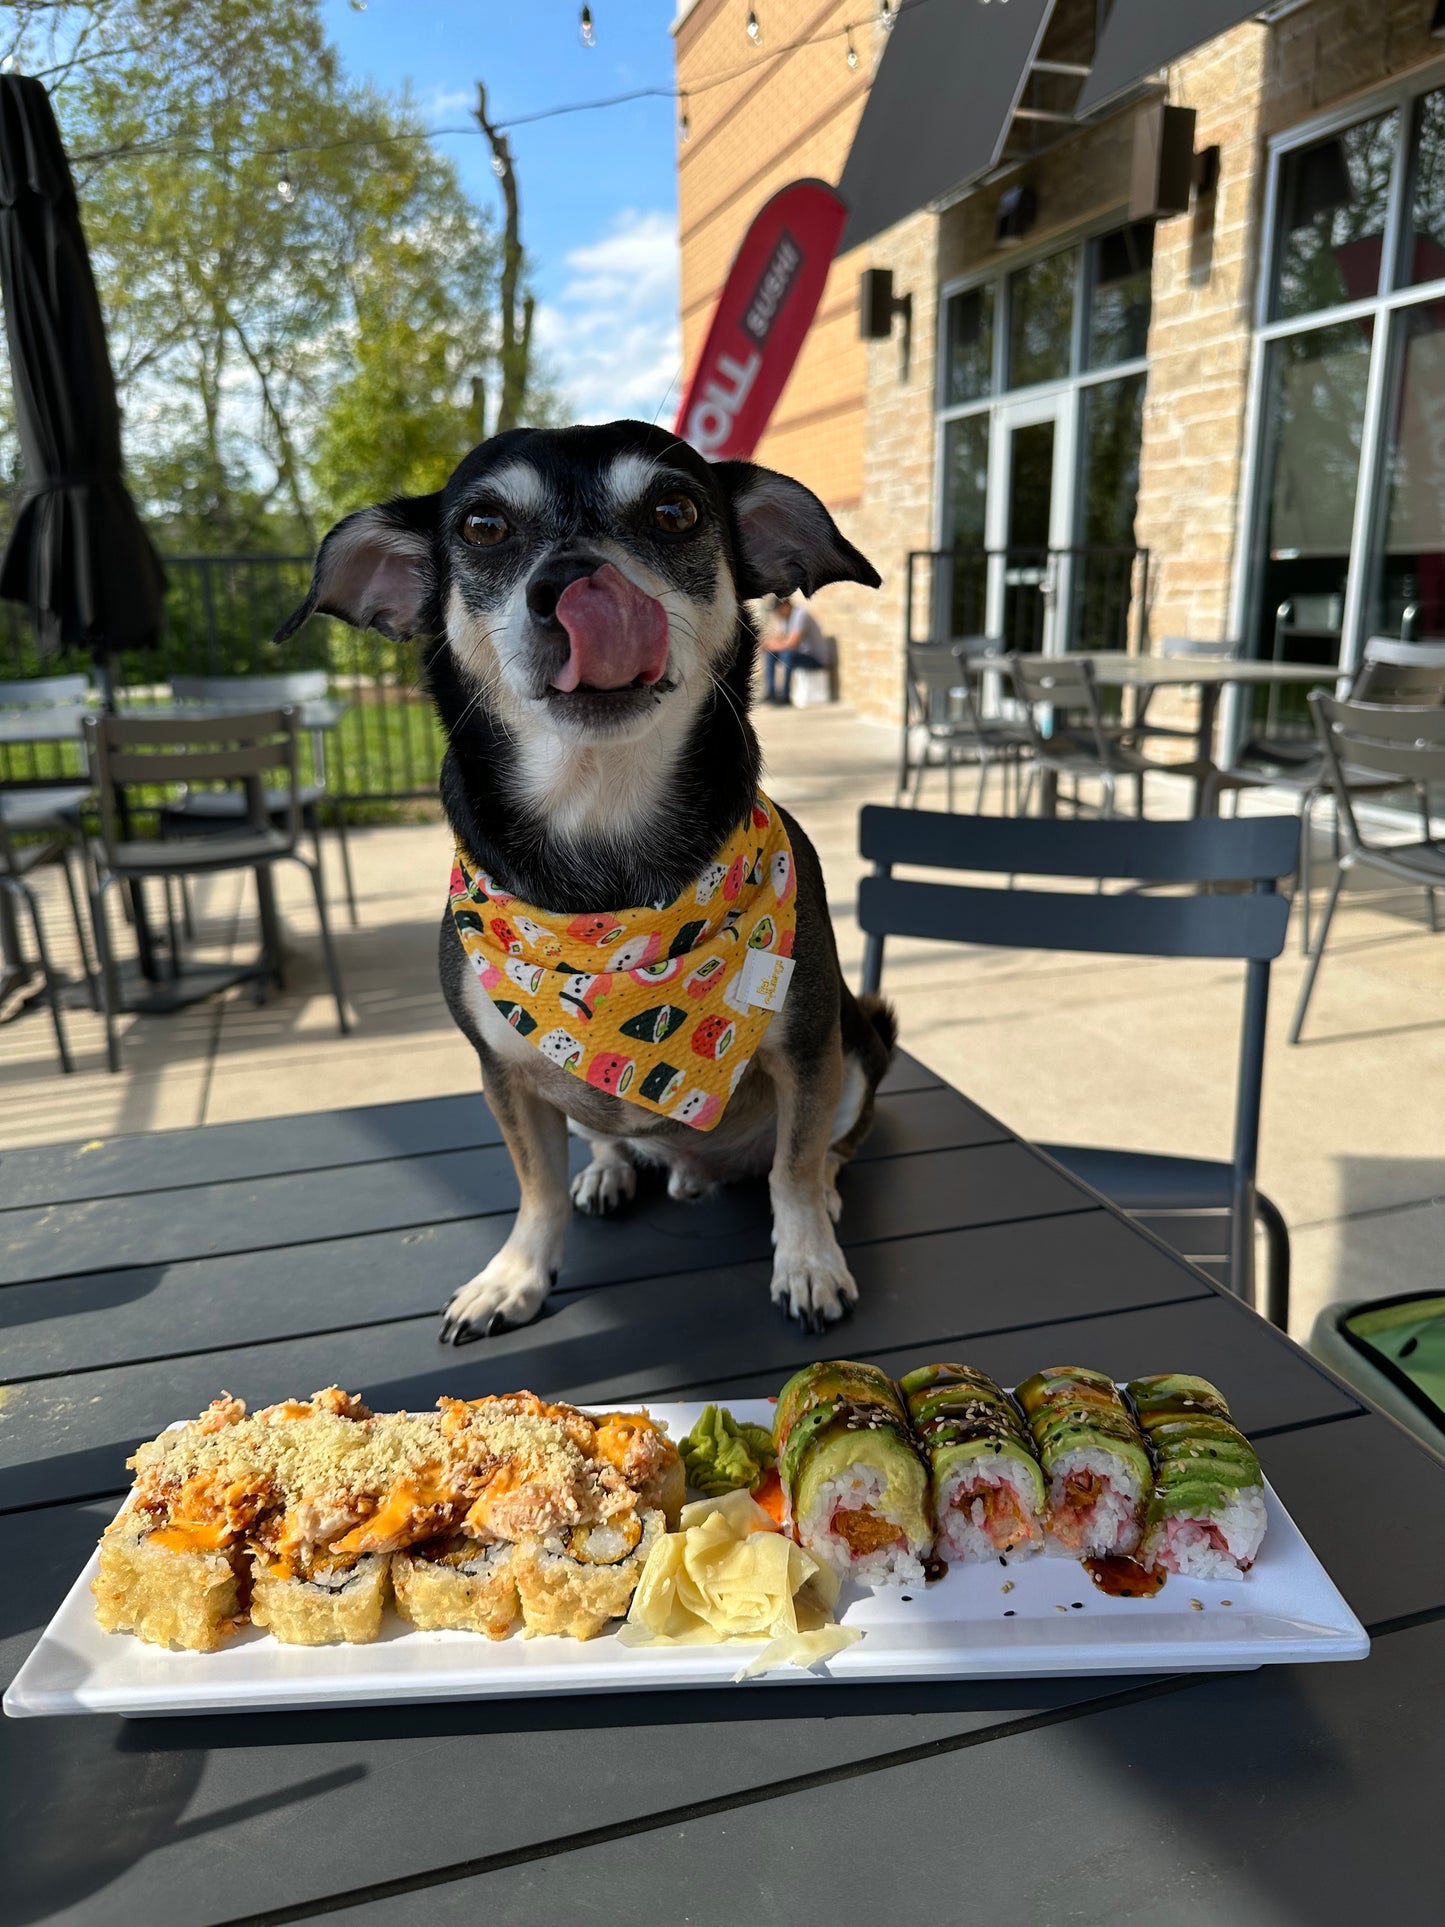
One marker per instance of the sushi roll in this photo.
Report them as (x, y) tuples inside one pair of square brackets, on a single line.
[(168, 1586), (662, 1084), (456, 1585), (988, 1489), (855, 1486), (1094, 1458), (574, 1588), (1206, 1518), (328, 1604), (652, 1025)]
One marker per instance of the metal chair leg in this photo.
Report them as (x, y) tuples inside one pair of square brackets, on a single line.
[(17, 886), (173, 934), (319, 887), (1276, 1245), (1307, 987), (345, 849), (91, 983), (109, 985)]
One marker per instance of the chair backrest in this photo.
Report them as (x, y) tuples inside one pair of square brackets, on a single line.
[(41, 692), (240, 748), (252, 692), (939, 683), (1199, 649), (1060, 683), (1402, 740), (1392, 671), (1204, 850)]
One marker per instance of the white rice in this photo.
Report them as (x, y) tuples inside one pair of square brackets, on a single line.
[(963, 1532), (1112, 1522), (1189, 1545), (861, 1485)]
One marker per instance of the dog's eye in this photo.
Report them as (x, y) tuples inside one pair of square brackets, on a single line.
[(484, 529), (675, 514)]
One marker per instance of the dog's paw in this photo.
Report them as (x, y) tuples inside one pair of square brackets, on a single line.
[(686, 1185), (507, 1293), (603, 1186), (816, 1291)]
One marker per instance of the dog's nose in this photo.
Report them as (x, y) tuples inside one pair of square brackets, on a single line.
[(544, 591)]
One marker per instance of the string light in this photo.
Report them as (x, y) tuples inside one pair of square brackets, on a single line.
[(499, 167), (684, 125), (285, 187), (755, 32), (852, 55), (587, 33), (887, 15)]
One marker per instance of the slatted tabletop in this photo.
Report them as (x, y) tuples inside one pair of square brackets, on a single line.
[(139, 1276)]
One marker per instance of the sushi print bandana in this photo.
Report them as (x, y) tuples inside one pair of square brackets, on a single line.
[(662, 1006)]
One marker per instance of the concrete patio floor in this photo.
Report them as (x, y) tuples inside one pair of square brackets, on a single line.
[(1080, 1049)]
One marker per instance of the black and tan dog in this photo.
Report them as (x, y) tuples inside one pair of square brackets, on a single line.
[(581, 592)]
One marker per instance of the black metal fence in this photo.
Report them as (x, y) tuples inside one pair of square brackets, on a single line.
[(1075, 599), (221, 613)]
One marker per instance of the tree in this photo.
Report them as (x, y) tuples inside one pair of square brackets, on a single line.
[(298, 293)]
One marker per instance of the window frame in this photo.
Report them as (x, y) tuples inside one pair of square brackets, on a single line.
[(1384, 307), (1067, 388)]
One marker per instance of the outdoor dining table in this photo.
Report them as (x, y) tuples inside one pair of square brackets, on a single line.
[(1115, 670), (139, 1276)]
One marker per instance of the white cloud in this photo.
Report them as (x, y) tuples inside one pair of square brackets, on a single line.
[(611, 340)]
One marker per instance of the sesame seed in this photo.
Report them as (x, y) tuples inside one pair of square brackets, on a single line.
[(1002, 1561), (1196, 1605), (1226, 1602), (1009, 1613), (1078, 1605), (1061, 1609), (1007, 1586), (908, 1599)]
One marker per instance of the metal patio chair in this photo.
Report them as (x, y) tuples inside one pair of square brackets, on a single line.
[(1079, 742), (1204, 1209), (195, 810), (1390, 671), (943, 698), (239, 749), (1176, 649), (1405, 746), (47, 838)]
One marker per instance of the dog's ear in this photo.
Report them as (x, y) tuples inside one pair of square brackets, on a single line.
[(375, 570), (788, 540)]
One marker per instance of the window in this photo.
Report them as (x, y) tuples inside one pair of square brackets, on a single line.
[(1121, 269), (1333, 202), (969, 374), (1041, 393), (1041, 320), (1349, 537)]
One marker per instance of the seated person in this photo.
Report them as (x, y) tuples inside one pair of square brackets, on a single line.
[(793, 641)]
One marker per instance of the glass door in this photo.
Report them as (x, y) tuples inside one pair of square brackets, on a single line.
[(1030, 461)]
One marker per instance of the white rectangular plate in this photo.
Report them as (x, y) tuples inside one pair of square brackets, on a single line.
[(1287, 1608)]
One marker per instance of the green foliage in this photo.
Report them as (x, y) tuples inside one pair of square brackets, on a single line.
[(280, 357)]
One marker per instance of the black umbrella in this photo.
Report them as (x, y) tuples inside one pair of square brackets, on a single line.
[(78, 554)]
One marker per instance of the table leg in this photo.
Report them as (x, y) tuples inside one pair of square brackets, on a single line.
[(1206, 798)]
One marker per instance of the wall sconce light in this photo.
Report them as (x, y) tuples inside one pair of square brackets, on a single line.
[(877, 306), (1018, 209)]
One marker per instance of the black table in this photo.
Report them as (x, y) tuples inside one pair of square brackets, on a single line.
[(139, 1276)]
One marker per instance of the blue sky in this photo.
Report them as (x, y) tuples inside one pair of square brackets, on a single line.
[(599, 190)]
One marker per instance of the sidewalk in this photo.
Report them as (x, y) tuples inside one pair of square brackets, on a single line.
[(1082, 1049)]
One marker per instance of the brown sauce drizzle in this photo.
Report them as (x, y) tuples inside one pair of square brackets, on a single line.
[(934, 1568), (1124, 1578)]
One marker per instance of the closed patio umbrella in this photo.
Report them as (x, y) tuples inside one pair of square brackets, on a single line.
[(78, 554)]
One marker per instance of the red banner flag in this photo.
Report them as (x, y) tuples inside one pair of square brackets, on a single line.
[(765, 309)]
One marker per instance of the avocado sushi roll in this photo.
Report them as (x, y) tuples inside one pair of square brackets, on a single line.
[(855, 1485), (988, 1489), (1206, 1518), (1094, 1458)]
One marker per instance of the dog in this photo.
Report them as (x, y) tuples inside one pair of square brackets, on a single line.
[(580, 595)]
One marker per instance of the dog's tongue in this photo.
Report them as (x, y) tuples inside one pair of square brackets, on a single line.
[(617, 632)]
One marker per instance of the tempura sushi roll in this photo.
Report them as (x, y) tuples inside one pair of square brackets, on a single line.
[(456, 1585), (855, 1485), (168, 1587), (1094, 1458), (328, 1605), (988, 1489), (647, 1458), (573, 1589), (1206, 1518)]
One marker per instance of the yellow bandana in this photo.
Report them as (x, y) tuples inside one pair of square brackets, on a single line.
[(662, 1006)]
